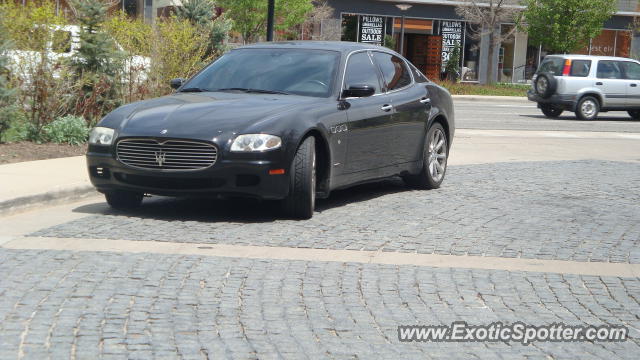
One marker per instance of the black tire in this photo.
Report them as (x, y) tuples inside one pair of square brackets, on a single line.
[(588, 108), (551, 111), (123, 200), (635, 114), (545, 85), (426, 178), (300, 202)]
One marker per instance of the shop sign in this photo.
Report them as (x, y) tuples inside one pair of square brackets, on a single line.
[(371, 29), (451, 32)]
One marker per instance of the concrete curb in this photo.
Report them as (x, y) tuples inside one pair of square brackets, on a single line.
[(48, 198), (493, 99)]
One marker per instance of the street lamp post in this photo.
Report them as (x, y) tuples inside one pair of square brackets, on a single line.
[(270, 19), (403, 7)]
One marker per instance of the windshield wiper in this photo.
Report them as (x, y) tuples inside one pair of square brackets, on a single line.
[(259, 91), (194, 89)]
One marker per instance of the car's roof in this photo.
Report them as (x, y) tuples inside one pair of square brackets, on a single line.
[(341, 46), (592, 57)]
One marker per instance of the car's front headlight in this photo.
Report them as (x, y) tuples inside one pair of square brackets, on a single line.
[(256, 142), (101, 136)]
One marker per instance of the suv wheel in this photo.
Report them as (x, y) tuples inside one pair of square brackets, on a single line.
[(434, 163), (635, 114), (300, 202), (545, 85), (588, 108), (123, 200), (551, 111)]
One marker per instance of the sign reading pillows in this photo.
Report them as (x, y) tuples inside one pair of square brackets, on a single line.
[(451, 32), (371, 29)]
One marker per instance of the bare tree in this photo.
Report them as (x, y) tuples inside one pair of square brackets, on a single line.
[(487, 15), (320, 23)]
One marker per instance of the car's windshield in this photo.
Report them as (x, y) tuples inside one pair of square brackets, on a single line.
[(280, 71)]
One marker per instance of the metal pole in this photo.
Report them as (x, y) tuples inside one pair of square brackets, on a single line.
[(402, 36), (270, 19)]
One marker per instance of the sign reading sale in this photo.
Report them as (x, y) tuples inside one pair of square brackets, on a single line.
[(371, 29)]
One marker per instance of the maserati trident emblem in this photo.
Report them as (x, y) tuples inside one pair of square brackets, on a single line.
[(161, 157), (163, 132)]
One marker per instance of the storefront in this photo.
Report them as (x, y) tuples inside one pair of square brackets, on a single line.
[(433, 30)]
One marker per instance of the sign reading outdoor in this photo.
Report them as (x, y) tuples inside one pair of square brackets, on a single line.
[(451, 32), (371, 29)]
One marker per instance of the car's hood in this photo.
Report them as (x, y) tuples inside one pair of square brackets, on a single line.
[(203, 115)]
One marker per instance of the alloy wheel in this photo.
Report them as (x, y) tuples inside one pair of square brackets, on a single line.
[(588, 108), (437, 158)]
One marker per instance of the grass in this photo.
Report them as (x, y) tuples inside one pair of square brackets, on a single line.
[(487, 90)]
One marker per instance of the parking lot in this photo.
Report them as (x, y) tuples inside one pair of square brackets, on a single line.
[(537, 221)]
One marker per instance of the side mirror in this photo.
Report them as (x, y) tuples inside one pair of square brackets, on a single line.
[(359, 91), (176, 83)]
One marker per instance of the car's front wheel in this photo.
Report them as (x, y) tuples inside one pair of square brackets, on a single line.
[(434, 163), (588, 108), (551, 111), (301, 201), (635, 114), (123, 200)]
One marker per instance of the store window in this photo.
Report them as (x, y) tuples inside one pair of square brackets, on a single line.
[(506, 54), (471, 53), (371, 29), (609, 43)]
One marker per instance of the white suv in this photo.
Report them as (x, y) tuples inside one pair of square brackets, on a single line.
[(587, 85)]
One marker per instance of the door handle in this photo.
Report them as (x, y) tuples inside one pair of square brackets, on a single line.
[(425, 101), (634, 85), (386, 107), (598, 83)]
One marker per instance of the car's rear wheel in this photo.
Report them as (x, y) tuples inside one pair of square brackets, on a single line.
[(588, 108), (300, 202), (123, 200), (434, 163), (635, 114), (551, 111)]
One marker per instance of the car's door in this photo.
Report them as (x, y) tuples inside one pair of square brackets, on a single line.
[(369, 118), (610, 79), (411, 105), (631, 71)]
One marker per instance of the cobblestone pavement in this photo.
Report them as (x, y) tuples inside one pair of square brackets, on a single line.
[(525, 116), (573, 210), (61, 304)]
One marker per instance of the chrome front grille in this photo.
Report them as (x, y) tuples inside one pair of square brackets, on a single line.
[(175, 155)]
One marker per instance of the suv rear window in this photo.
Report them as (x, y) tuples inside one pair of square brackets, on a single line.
[(553, 65), (580, 68)]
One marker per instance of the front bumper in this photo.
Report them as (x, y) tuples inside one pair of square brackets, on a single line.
[(243, 175), (567, 102)]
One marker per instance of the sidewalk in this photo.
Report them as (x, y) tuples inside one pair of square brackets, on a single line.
[(492, 99), (28, 184)]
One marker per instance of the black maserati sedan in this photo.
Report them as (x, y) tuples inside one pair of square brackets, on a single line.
[(287, 121)]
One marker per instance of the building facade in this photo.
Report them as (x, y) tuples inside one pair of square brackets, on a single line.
[(433, 29)]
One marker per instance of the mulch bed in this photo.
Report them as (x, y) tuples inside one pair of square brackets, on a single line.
[(28, 151)]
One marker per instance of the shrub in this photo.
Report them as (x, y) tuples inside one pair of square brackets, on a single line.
[(18, 128), (44, 87), (69, 129)]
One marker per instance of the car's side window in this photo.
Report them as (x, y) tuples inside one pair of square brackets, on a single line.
[(580, 68), (631, 70), (361, 71), (417, 75), (395, 71), (608, 69)]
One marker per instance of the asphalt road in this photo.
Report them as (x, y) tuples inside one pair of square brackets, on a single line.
[(537, 222), (526, 116)]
